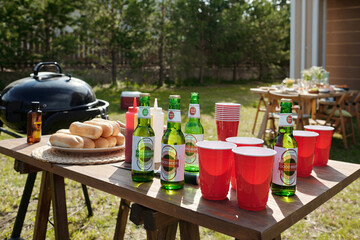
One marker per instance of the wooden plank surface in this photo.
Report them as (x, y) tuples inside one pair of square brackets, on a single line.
[(188, 205)]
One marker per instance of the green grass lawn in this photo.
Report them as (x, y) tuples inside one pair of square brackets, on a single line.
[(339, 218)]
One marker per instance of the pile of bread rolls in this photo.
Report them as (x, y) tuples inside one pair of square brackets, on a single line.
[(96, 133)]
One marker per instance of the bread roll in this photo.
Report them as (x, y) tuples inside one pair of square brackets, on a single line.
[(116, 127), (112, 141), (86, 130), (101, 143), (106, 127), (120, 139), (66, 140), (88, 143), (67, 131)]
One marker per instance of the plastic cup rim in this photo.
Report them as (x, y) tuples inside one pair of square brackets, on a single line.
[(302, 133), (245, 140), (215, 145), (254, 151), (319, 127), (227, 104)]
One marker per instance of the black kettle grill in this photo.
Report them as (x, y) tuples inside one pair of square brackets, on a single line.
[(63, 100)]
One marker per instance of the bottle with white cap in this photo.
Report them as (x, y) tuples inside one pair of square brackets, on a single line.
[(157, 124)]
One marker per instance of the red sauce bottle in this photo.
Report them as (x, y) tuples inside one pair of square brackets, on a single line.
[(34, 123), (129, 130)]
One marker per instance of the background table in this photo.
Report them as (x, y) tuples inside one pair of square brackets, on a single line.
[(187, 204)]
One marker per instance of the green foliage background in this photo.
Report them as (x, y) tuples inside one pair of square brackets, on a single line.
[(174, 39)]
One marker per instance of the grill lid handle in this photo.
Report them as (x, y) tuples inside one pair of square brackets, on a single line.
[(39, 65)]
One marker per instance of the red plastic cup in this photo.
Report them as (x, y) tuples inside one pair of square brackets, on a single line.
[(226, 129), (242, 142), (215, 158), (306, 141), (323, 143), (253, 167)]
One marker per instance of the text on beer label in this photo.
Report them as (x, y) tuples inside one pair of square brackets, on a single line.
[(174, 115), (194, 111)]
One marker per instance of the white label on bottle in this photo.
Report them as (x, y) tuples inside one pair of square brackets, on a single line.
[(172, 162), (194, 111), (143, 153), (174, 115), (285, 120), (144, 112), (285, 165), (191, 151)]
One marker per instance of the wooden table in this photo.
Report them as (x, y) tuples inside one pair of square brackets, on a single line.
[(185, 204), (309, 102)]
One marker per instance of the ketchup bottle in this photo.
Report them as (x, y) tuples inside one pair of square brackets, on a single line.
[(129, 130)]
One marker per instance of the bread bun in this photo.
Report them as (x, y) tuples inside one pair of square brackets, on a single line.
[(66, 140), (67, 131), (120, 139), (115, 125), (101, 143), (106, 127), (88, 143), (86, 130), (112, 141)]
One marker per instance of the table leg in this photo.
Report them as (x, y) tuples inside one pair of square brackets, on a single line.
[(20, 217), (122, 219), (43, 208), (59, 207), (313, 109), (87, 200), (189, 231), (264, 123)]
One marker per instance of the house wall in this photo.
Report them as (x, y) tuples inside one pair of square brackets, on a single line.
[(343, 42)]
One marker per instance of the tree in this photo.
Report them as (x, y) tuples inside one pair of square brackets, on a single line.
[(117, 26), (269, 33)]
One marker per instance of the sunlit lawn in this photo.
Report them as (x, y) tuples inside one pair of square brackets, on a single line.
[(339, 218)]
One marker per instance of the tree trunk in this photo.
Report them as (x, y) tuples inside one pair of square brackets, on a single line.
[(235, 71), (260, 72), (161, 46), (113, 66)]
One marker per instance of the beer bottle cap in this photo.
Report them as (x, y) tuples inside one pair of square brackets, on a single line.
[(175, 96)]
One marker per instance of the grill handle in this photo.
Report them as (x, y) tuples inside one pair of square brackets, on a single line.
[(39, 65)]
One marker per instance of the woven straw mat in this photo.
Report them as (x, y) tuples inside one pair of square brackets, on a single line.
[(49, 154)]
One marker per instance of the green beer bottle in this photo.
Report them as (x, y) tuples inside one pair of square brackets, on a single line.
[(143, 141), (194, 132), (173, 148), (285, 162)]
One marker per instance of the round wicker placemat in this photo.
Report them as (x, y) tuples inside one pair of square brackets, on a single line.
[(49, 154)]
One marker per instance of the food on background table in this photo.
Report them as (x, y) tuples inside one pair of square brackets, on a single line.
[(314, 90), (66, 140), (84, 130)]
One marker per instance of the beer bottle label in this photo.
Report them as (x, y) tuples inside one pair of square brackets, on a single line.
[(285, 120), (144, 112), (191, 151), (194, 111), (284, 168), (172, 162), (174, 115), (143, 154)]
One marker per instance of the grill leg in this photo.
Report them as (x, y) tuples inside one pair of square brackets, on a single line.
[(20, 217), (87, 200)]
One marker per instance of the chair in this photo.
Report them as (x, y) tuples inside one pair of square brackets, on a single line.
[(260, 108), (336, 115), (353, 108)]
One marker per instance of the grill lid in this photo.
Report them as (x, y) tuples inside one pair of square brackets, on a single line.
[(54, 91)]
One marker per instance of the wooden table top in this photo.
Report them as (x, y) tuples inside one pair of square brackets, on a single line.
[(264, 90), (187, 204)]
